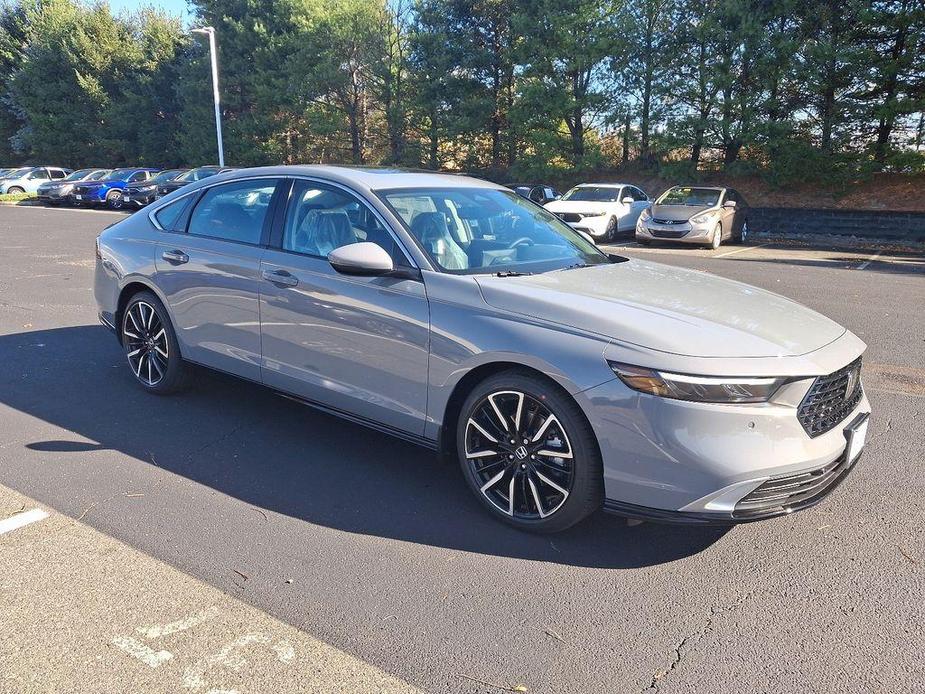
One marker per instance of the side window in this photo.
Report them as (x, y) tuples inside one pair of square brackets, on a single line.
[(138, 176), (171, 217), (550, 193), (233, 211), (38, 174), (536, 195), (320, 219), (639, 195), (731, 195), (57, 174)]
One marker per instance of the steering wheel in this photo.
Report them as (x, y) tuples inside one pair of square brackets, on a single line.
[(522, 241)]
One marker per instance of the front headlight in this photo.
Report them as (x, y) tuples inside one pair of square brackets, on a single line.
[(146, 189), (698, 388), (703, 218), (645, 214), (63, 190)]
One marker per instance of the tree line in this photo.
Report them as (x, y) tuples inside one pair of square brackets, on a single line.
[(794, 89)]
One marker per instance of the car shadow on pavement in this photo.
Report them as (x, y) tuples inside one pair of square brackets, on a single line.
[(245, 441)]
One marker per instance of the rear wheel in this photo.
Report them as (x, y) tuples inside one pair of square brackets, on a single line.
[(151, 346), (743, 232), (15, 190), (528, 453)]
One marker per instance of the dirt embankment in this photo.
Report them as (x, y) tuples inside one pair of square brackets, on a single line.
[(894, 192)]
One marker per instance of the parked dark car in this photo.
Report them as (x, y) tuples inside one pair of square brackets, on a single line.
[(190, 176), (540, 193), (57, 192), (109, 190), (140, 194)]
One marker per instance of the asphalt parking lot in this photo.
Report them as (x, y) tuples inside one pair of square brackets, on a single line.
[(371, 548)]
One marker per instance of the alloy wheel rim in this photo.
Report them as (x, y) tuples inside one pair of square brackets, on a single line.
[(145, 340), (744, 230), (717, 237), (519, 454), (115, 199)]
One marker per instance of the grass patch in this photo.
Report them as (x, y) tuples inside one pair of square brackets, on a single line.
[(16, 197)]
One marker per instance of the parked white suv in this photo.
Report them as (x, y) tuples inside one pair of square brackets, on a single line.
[(601, 210), (29, 178)]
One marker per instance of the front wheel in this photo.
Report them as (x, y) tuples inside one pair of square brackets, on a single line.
[(528, 453), (610, 233), (717, 239), (114, 199), (151, 346), (15, 190)]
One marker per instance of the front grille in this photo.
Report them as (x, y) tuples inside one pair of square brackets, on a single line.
[(669, 222), (570, 216), (830, 399), (668, 234), (792, 491), (84, 190)]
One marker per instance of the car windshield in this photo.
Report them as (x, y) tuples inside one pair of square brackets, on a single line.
[(79, 175), (121, 174), (165, 176), (592, 194), (19, 173), (99, 175), (695, 197), (484, 230)]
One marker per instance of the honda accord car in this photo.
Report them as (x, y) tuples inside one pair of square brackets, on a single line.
[(454, 313), (702, 215)]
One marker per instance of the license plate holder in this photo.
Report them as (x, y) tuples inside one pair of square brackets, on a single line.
[(856, 434)]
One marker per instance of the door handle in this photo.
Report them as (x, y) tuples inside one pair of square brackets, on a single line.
[(176, 257), (280, 277)]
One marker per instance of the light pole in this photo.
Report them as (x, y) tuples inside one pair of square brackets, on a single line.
[(210, 32)]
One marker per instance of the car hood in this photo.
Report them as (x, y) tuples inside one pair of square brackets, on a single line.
[(666, 308), (580, 206), (678, 213), (173, 185)]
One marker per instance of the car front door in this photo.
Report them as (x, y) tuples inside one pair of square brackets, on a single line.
[(640, 202), (355, 344), (728, 215), (209, 273)]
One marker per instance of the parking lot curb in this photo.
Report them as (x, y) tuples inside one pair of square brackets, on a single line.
[(20, 203)]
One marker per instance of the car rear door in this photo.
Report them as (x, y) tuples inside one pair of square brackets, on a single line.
[(209, 270), (356, 344)]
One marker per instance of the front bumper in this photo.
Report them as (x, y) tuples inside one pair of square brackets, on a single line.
[(685, 232), (595, 226), (680, 461), (93, 198), (138, 199)]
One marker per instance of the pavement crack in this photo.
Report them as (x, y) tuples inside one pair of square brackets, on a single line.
[(689, 641)]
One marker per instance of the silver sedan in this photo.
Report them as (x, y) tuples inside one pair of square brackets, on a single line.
[(453, 313)]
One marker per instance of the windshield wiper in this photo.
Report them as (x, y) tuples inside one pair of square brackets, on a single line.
[(576, 266), (511, 273)]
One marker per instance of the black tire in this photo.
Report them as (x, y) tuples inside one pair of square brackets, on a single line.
[(742, 236), (15, 190), (612, 230), (174, 372), (114, 199), (581, 476)]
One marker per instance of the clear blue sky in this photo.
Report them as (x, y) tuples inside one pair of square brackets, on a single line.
[(178, 7)]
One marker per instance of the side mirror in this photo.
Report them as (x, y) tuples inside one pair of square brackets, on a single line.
[(730, 204), (361, 259), (628, 200)]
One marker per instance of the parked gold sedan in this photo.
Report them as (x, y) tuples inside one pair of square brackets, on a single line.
[(702, 215)]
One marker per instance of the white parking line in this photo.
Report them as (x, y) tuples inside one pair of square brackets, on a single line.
[(19, 520), (869, 260), (741, 250), (67, 209)]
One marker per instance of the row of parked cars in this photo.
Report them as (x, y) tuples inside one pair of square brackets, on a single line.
[(128, 187), (703, 215)]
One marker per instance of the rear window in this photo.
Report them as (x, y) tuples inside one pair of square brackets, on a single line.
[(169, 216)]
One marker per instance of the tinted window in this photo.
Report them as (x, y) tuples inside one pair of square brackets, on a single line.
[(38, 174), (321, 219), (58, 174), (234, 211), (169, 215), (638, 194)]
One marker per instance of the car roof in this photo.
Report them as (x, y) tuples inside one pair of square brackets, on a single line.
[(603, 185), (697, 185), (367, 178)]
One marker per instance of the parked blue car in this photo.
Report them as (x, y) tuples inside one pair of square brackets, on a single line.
[(109, 191)]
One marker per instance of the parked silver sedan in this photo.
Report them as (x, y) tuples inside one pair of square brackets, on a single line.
[(453, 313), (702, 215)]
